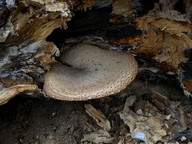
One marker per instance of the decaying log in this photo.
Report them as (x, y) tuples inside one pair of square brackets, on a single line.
[(164, 35), (25, 54)]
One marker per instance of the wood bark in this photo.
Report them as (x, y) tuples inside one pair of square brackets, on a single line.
[(164, 37)]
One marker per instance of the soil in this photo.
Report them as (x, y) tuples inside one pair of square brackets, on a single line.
[(28, 120)]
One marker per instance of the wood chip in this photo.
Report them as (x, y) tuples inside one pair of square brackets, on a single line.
[(98, 116)]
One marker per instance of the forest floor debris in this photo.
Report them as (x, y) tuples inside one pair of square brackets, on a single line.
[(143, 113)]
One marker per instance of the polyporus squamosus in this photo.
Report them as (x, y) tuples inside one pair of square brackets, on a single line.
[(90, 73)]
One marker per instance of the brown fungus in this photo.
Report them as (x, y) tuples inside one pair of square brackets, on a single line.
[(92, 73)]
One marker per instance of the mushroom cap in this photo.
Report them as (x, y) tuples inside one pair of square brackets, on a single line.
[(92, 73)]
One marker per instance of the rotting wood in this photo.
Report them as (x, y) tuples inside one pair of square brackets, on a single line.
[(99, 117), (166, 35)]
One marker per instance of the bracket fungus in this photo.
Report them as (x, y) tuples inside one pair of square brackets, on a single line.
[(90, 73)]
